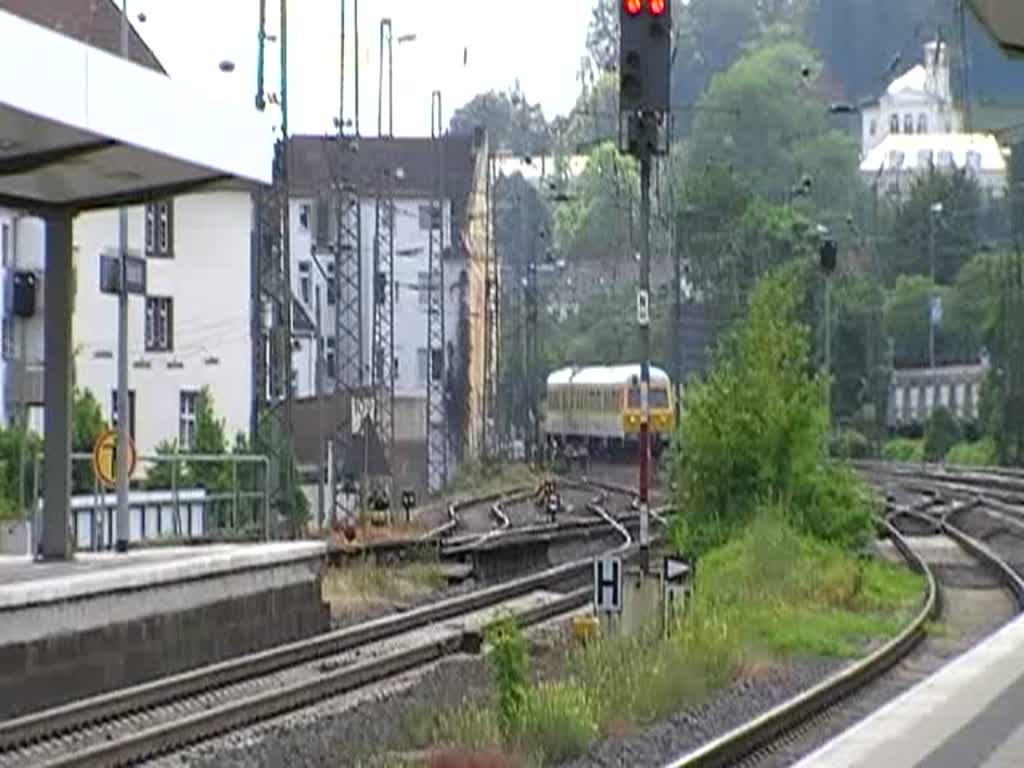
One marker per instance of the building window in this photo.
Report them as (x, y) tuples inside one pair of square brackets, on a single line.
[(974, 160), (894, 123), (398, 292), (922, 123), (160, 229), (430, 217), (896, 158), (422, 365), (872, 127), (304, 281), (394, 369), (188, 401), (331, 358), (8, 338), (924, 158), (945, 158), (159, 324), (908, 123), (332, 285), (305, 213), (131, 411), (5, 244)]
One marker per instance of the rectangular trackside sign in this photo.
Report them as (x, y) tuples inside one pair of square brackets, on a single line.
[(608, 585)]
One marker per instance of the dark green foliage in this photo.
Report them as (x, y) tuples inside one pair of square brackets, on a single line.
[(908, 227), (19, 448), (87, 424), (510, 665), (848, 443), (941, 434), (755, 431), (1003, 394)]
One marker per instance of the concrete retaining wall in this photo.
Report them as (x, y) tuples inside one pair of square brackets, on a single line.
[(56, 651)]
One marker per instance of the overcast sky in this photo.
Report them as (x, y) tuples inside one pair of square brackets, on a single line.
[(538, 41)]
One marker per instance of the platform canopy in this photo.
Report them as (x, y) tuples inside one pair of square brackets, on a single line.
[(1004, 19), (83, 129)]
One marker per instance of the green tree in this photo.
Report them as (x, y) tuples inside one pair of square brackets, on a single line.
[(596, 224), (907, 230), (1003, 394), (512, 122), (603, 35), (755, 431), (941, 434), (906, 320), (770, 122), (87, 424), (18, 448), (209, 440)]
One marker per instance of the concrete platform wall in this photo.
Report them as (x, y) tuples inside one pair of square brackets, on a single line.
[(51, 653)]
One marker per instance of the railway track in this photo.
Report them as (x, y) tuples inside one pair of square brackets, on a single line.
[(127, 726), (770, 734)]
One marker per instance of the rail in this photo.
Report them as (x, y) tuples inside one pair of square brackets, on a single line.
[(740, 742), (50, 724)]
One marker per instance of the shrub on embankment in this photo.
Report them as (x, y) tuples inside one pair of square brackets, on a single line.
[(755, 431), (767, 594)]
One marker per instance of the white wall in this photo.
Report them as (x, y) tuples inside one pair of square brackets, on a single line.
[(209, 281), (410, 331)]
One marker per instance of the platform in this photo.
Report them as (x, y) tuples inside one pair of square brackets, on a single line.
[(104, 620), (969, 713)]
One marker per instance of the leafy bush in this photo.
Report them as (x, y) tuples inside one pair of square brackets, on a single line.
[(903, 449), (941, 434), (850, 444), (755, 430), (510, 664), (14, 441), (978, 454)]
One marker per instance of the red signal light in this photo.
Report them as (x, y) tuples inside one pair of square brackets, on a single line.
[(633, 7), (657, 7)]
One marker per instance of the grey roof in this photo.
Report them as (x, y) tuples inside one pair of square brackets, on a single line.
[(315, 159), (93, 22)]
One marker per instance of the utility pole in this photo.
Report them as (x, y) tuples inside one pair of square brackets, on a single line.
[(934, 212), (437, 411), (273, 292), (645, 50), (123, 525)]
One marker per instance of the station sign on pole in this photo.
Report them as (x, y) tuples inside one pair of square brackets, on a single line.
[(608, 585), (677, 579), (134, 274)]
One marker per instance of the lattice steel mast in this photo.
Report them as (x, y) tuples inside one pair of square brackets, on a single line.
[(348, 315), (383, 269), (271, 425), (437, 412)]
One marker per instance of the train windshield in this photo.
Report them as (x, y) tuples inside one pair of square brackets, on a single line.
[(658, 398)]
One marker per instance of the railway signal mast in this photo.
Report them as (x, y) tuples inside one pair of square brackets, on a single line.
[(645, 56)]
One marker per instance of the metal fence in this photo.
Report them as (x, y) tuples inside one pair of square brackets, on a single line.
[(230, 501)]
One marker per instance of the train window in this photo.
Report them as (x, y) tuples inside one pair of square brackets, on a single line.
[(656, 398)]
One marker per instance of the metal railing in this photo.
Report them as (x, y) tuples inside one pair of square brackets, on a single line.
[(233, 503)]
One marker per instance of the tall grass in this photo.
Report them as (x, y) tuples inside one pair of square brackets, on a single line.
[(769, 593)]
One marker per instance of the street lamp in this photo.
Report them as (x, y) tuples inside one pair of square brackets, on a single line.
[(934, 309)]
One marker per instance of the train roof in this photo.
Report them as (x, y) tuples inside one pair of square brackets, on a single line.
[(602, 375)]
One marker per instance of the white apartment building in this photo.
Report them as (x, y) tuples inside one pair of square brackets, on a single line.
[(191, 329), (411, 166)]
